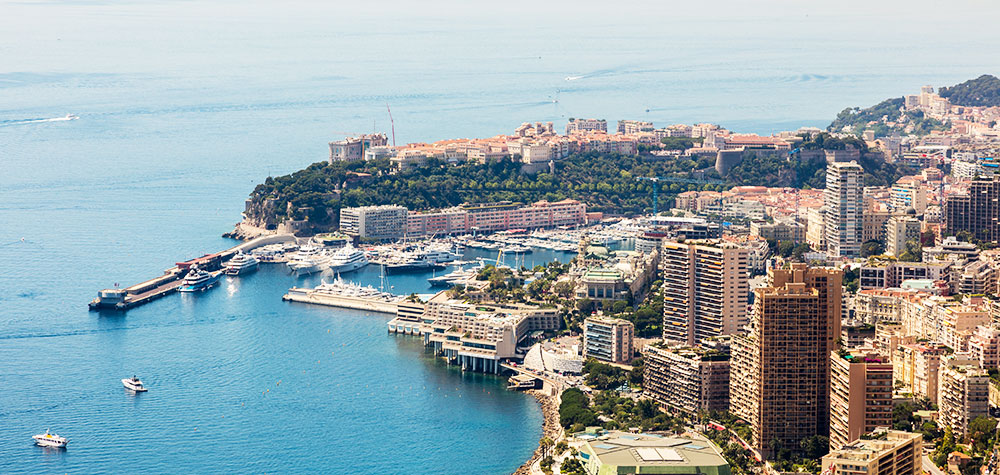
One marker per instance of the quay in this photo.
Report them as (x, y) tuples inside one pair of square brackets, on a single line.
[(377, 305), (152, 289)]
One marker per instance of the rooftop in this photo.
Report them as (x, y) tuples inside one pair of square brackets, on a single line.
[(655, 453)]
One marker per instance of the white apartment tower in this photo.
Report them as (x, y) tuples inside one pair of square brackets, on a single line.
[(843, 205), (705, 289)]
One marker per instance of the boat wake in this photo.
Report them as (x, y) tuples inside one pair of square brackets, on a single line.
[(5, 123)]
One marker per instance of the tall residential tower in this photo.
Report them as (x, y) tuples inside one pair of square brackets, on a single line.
[(843, 206), (780, 368)]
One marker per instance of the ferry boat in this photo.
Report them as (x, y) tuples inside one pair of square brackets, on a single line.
[(241, 263), (197, 279), (347, 259), (50, 440), (134, 384)]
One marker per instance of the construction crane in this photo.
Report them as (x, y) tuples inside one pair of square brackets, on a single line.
[(392, 124), (656, 186)]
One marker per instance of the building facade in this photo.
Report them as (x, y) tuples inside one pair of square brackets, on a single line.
[(889, 453), (608, 339), (860, 394), (843, 202), (354, 148), (780, 368), (964, 393), (705, 289), (374, 222), (690, 379), (977, 211)]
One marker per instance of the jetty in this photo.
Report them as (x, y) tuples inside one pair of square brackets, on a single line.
[(371, 304), (144, 292)]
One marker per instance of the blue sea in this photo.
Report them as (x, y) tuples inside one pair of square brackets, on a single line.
[(185, 106)]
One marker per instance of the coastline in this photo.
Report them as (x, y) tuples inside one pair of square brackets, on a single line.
[(550, 427), (244, 231)]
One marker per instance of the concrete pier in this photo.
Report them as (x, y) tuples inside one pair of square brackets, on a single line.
[(152, 289)]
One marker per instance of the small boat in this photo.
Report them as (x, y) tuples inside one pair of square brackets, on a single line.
[(50, 440), (134, 384)]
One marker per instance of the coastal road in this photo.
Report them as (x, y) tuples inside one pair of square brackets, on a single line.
[(929, 466)]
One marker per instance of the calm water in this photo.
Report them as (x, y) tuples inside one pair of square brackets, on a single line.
[(184, 106)]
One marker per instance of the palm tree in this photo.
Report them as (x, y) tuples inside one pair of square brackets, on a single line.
[(546, 444)]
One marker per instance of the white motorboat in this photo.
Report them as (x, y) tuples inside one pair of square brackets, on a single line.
[(134, 384), (50, 440)]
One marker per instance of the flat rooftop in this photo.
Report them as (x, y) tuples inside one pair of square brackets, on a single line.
[(656, 453)]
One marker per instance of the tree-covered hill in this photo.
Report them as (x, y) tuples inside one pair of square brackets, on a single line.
[(883, 119), (982, 91), (605, 182)]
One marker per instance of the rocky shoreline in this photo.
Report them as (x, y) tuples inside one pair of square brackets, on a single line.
[(550, 426), (245, 232)]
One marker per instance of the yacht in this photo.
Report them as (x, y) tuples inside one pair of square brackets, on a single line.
[(515, 249), (304, 253), (309, 265), (197, 279), (347, 259), (412, 262), (50, 440), (241, 263), (134, 384), (454, 277)]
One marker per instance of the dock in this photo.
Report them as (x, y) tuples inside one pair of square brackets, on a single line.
[(144, 292), (390, 307)]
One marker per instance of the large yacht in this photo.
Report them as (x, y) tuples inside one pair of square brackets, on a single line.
[(241, 263), (412, 262), (197, 279), (304, 253), (134, 384), (455, 277), (309, 265), (50, 440), (347, 259)]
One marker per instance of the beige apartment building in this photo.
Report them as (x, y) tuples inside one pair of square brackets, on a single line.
[(705, 290), (780, 368), (916, 366), (964, 393), (890, 453), (899, 230), (690, 379), (608, 339), (860, 394)]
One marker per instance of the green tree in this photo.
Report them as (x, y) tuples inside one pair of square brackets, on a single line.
[(872, 248)]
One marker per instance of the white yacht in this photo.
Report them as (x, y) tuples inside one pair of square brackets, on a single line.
[(134, 384), (347, 259), (241, 263), (304, 253), (197, 279), (50, 440), (309, 265)]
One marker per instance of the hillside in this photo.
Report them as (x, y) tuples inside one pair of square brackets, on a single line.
[(982, 91), (885, 118)]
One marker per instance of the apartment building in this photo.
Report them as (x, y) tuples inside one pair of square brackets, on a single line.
[(779, 230), (780, 368), (478, 337), (890, 273), (984, 346), (908, 192), (976, 211), (489, 217), (635, 127), (586, 125), (374, 222), (964, 393), (899, 230), (844, 208), (916, 366), (860, 394), (608, 339), (690, 379), (816, 228), (887, 453), (705, 288)]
